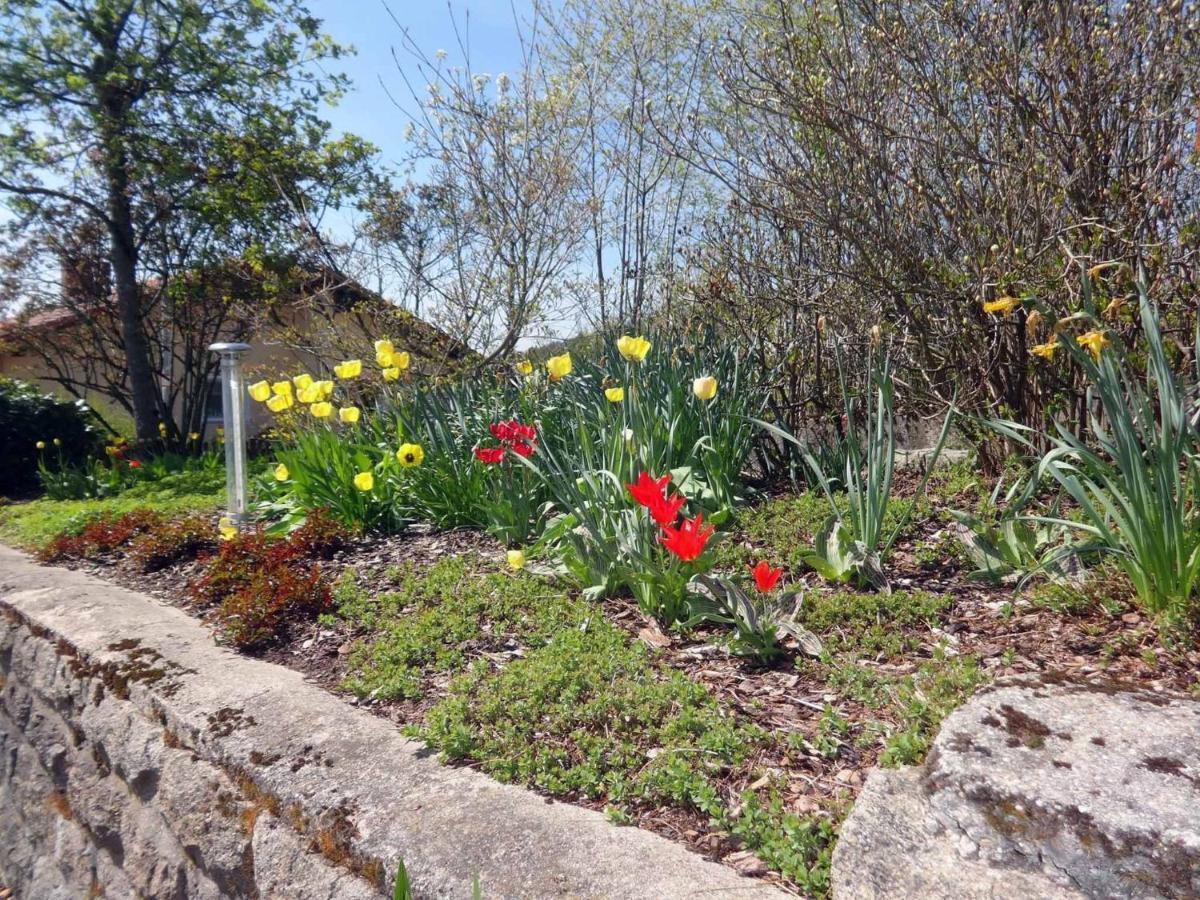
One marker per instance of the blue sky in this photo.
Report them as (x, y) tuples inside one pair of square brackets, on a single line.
[(366, 24)]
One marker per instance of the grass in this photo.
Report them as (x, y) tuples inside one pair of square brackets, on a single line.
[(33, 524)]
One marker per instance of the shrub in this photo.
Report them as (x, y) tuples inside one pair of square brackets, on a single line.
[(172, 542), (29, 416), (100, 535)]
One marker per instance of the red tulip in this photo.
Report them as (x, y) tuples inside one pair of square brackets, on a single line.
[(688, 540), (665, 510), (648, 491), (489, 455), (135, 464), (765, 578), (521, 448)]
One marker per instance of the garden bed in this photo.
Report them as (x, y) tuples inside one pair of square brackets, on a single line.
[(596, 704)]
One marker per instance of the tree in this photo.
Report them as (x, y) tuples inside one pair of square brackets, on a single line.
[(136, 115)]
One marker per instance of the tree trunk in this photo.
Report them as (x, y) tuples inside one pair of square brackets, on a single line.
[(123, 256)]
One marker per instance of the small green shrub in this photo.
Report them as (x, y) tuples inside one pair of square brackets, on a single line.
[(872, 624), (28, 416)]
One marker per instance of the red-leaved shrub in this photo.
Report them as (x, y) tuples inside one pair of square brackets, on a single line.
[(101, 535)]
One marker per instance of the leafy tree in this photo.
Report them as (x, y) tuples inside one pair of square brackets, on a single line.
[(178, 127)]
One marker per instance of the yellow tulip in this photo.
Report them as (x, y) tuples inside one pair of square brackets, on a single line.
[(1046, 350), (364, 481), (559, 366), (632, 348), (162, 429), (302, 381), (410, 455), (260, 391), (57, 442), (41, 445), (349, 414), (1003, 306), (1094, 341), (351, 368), (283, 388), (194, 436), (226, 527), (280, 402), (401, 360), (615, 394), (391, 374), (321, 410), (384, 360), (325, 387), (281, 472), (310, 394), (705, 388), (516, 559), (384, 348), (525, 367)]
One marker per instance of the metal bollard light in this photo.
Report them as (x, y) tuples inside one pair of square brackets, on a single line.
[(233, 407)]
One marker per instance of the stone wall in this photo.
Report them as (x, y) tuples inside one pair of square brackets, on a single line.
[(138, 759)]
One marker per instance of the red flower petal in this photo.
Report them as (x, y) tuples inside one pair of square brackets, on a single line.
[(765, 578), (489, 455), (647, 491)]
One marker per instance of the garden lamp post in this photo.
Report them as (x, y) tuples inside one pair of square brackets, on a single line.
[(233, 407)]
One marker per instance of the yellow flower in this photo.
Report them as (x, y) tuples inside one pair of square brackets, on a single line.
[(302, 381), (309, 394), (1046, 350), (57, 442), (1114, 308), (391, 374), (1003, 306), (516, 559), (283, 388), (1094, 341), (632, 348), (525, 367), (41, 445), (559, 366), (348, 414), (1032, 321), (401, 360), (321, 410), (364, 481), (281, 472), (615, 394), (226, 527), (260, 391), (325, 387), (410, 455), (384, 348), (162, 429), (705, 388), (351, 368), (280, 402), (194, 436)]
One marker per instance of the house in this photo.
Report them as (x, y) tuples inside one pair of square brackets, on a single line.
[(295, 321)]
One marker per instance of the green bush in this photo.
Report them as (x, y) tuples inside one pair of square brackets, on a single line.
[(28, 417)]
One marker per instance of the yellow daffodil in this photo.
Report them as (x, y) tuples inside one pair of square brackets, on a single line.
[(281, 472), (525, 367), (349, 414), (57, 442), (325, 387), (385, 349), (1003, 306), (1114, 308), (227, 529), (1032, 321), (260, 391), (1095, 341), (302, 381), (280, 402), (391, 373), (401, 360), (559, 366), (632, 348), (351, 368), (705, 388), (1046, 350), (410, 455), (615, 394), (516, 560), (309, 394), (321, 410), (282, 387), (364, 481), (41, 445)]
